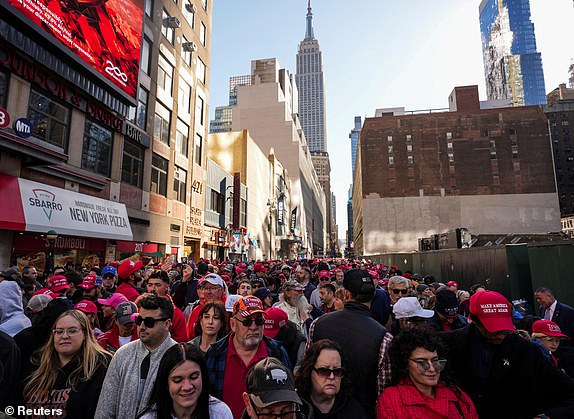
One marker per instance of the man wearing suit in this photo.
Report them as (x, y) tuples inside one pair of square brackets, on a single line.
[(563, 316)]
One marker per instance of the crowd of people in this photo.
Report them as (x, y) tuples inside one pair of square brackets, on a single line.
[(322, 338)]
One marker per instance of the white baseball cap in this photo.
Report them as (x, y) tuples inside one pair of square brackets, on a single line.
[(410, 307)]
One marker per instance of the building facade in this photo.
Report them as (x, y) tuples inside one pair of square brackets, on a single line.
[(512, 66), (311, 85), (267, 109), (117, 138), (560, 114), (489, 171)]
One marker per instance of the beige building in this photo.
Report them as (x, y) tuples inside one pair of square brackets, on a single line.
[(268, 191), (267, 107)]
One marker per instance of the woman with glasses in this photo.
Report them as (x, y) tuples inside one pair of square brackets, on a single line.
[(211, 326), (324, 386), (181, 388), (71, 370), (419, 387)]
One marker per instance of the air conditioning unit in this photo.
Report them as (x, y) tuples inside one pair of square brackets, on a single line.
[(171, 22), (189, 46), (190, 8)]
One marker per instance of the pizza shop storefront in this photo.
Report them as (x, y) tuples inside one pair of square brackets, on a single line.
[(85, 229)]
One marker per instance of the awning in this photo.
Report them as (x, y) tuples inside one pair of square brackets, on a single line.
[(33, 206)]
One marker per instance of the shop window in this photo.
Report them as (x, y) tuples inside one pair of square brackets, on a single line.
[(3, 89), (132, 164), (50, 120), (198, 149), (97, 150), (181, 137), (159, 168), (161, 123), (180, 184)]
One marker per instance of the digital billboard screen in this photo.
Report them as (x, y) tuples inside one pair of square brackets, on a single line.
[(106, 34)]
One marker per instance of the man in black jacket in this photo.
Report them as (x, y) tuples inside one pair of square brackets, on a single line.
[(505, 375), (358, 333)]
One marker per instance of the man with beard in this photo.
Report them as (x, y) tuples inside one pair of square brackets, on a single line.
[(229, 359), (132, 372)]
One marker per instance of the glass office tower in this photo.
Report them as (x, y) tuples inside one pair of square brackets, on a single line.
[(512, 66)]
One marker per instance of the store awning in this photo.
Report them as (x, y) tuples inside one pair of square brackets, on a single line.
[(33, 206)]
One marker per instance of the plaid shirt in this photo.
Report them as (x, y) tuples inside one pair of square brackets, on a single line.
[(217, 354)]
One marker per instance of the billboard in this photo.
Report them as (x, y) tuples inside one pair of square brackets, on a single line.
[(105, 34)]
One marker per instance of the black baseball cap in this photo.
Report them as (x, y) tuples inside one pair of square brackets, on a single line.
[(270, 382), (359, 281)]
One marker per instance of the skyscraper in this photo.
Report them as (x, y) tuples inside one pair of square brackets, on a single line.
[(354, 136), (311, 86), (512, 66)]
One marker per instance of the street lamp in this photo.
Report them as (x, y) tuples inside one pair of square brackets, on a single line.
[(51, 235)]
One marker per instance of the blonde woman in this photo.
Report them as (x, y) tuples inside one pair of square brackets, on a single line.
[(71, 368)]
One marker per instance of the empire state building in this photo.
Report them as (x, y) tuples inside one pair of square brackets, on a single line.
[(311, 87)]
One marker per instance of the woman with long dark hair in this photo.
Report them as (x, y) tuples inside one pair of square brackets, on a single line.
[(323, 384), (181, 388), (71, 368), (212, 325), (419, 387)]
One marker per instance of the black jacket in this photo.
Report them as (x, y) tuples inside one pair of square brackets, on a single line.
[(9, 371), (360, 336), (519, 381), (345, 407)]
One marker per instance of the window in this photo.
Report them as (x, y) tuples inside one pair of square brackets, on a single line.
[(200, 70), (410, 159), (199, 110), (97, 150), (493, 155), (243, 212), (217, 202), (390, 149), (168, 32), (185, 55), (197, 149), (159, 175), (161, 123), (3, 89), (390, 139), (451, 157), (391, 160), (202, 34), (181, 137), (148, 7), (179, 183), (164, 74), (141, 111), (409, 137), (183, 96), (146, 55), (204, 4), (188, 12), (409, 148), (132, 164), (449, 135), (49, 119)]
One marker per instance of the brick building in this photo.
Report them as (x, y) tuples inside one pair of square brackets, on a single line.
[(489, 170)]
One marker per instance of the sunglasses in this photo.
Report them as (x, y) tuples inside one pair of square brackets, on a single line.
[(108, 276), (404, 292), (259, 321), (149, 322), (326, 372), (423, 365)]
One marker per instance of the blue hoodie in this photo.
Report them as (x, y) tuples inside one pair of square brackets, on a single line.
[(12, 317)]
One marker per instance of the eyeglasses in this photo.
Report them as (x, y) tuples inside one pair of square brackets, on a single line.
[(108, 276), (259, 321), (396, 291), (449, 311), (148, 321), (326, 372), (210, 289), (72, 331), (423, 365)]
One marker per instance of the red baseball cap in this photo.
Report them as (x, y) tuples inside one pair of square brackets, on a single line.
[(128, 267), (58, 283), (493, 310), (324, 274), (452, 284), (87, 307), (548, 328), (89, 282), (246, 306), (274, 321)]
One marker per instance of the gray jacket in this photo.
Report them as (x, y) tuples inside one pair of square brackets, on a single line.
[(118, 398)]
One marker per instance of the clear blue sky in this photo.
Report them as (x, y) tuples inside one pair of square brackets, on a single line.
[(376, 53)]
